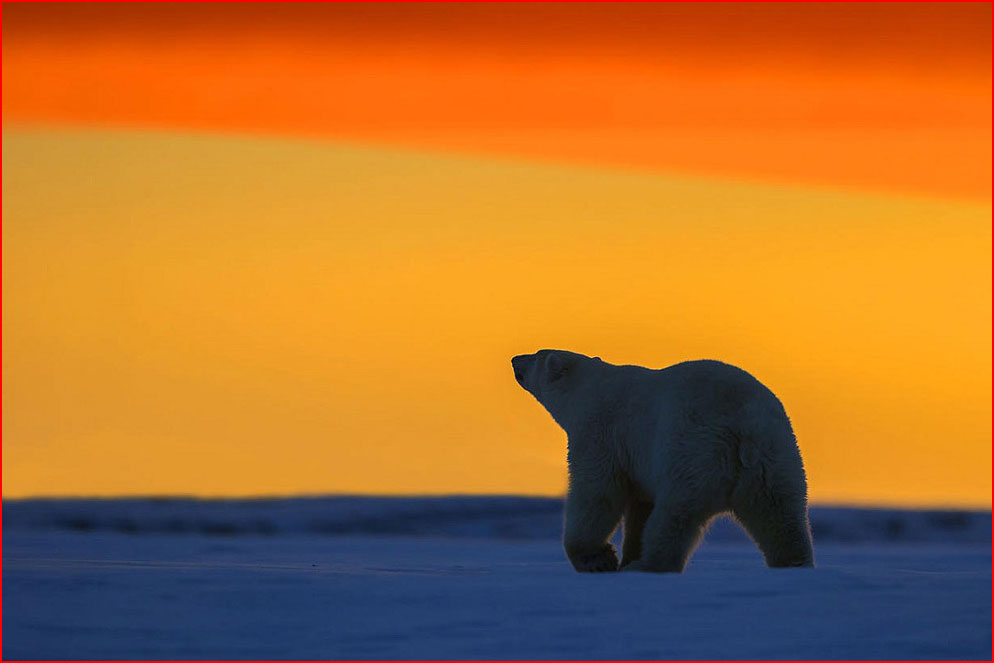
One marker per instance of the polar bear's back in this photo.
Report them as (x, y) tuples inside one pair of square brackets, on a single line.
[(716, 388), (715, 397), (719, 429)]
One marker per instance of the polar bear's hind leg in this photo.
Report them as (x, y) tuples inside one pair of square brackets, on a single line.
[(776, 517), (781, 531)]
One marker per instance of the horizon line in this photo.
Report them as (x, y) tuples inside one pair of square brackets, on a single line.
[(261, 497)]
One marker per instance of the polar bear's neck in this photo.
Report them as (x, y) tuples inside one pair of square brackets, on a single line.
[(605, 418)]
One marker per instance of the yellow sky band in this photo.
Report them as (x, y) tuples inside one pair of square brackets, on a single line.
[(215, 315)]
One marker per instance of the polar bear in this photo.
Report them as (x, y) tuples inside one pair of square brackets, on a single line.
[(667, 450)]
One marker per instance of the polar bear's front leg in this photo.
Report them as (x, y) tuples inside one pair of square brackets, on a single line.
[(592, 515), (671, 533), (635, 516)]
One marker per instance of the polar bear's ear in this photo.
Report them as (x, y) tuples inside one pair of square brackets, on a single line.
[(556, 366)]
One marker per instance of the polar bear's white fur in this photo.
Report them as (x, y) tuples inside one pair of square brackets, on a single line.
[(668, 450)]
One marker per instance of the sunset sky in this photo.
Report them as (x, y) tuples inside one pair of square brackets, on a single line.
[(282, 249)]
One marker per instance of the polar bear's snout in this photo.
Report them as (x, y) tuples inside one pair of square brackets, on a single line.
[(521, 364)]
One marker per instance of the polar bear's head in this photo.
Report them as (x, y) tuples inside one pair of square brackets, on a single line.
[(553, 378)]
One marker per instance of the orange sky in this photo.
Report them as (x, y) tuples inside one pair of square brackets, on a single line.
[(274, 249), (893, 97)]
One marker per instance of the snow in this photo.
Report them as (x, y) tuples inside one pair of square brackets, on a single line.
[(470, 578)]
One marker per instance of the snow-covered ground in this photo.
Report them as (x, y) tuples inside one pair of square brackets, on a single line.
[(477, 578)]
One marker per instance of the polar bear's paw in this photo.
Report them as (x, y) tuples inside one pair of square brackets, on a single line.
[(602, 561)]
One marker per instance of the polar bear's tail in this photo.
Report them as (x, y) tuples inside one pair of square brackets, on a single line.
[(770, 495)]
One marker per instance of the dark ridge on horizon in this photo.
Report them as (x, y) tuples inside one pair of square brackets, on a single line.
[(459, 516)]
